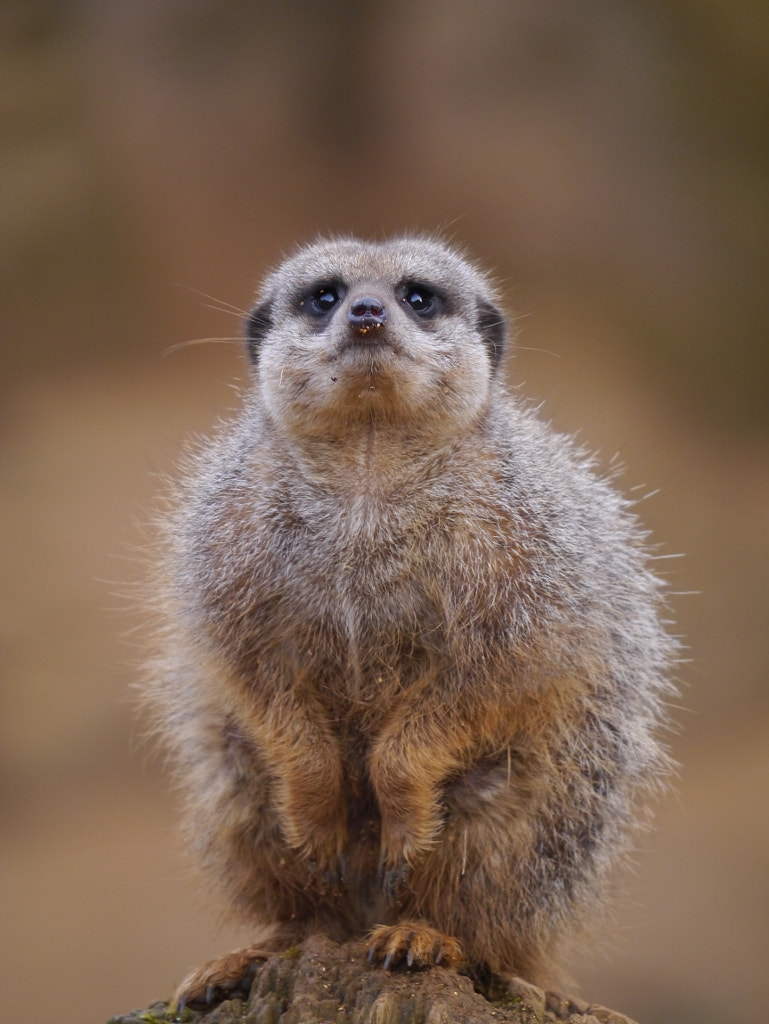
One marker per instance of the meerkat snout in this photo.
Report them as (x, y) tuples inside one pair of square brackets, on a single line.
[(367, 314)]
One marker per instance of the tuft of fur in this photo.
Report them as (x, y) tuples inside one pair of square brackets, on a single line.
[(411, 667)]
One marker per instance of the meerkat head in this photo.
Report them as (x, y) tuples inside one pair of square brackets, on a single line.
[(404, 331)]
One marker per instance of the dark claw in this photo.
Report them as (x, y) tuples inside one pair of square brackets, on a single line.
[(327, 878), (394, 879), (386, 964), (212, 995)]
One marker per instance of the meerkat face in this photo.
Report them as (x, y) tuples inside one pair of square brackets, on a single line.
[(403, 332)]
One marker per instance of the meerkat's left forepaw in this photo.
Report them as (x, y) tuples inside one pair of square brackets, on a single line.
[(416, 943)]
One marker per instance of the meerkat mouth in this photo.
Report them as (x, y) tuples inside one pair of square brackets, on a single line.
[(369, 339)]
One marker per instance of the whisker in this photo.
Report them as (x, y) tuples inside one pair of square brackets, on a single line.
[(219, 304), (528, 348), (201, 341)]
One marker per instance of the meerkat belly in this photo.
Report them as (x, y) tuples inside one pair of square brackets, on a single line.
[(368, 632)]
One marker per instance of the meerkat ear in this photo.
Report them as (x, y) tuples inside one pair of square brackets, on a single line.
[(493, 328), (259, 322)]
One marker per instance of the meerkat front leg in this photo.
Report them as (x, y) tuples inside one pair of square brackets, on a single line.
[(292, 731), (412, 757), (419, 748)]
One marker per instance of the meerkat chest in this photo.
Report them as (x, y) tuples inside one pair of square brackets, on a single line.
[(392, 579), (373, 564)]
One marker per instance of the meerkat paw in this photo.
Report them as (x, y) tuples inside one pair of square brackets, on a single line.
[(415, 942), (213, 982), (320, 845), (393, 878)]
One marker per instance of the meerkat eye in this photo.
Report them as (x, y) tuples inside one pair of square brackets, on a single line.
[(422, 300), (322, 300), (419, 299)]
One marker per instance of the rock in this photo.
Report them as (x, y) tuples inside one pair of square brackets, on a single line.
[(325, 983)]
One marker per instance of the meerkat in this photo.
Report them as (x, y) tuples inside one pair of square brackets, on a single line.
[(411, 662)]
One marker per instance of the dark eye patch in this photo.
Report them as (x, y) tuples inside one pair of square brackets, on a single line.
[(321, 298), (424, 300)]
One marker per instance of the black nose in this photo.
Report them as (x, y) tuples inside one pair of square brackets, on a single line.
[(367, 314)]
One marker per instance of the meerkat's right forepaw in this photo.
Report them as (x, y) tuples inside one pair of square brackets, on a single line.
[(393, 878), (223, 978)]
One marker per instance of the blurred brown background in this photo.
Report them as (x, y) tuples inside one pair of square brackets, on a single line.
[(608, 160)]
